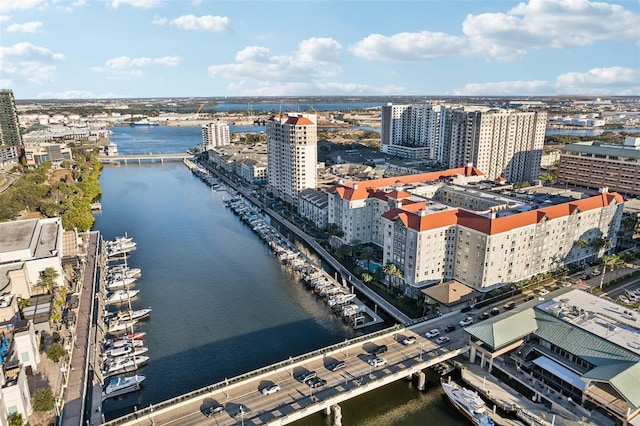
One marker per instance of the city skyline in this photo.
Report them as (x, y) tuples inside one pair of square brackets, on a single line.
[(151, 48)]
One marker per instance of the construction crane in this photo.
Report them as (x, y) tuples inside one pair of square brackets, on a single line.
[(200, 109)]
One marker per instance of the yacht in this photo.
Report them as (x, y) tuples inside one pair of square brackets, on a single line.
[(121, 385), (120, 249), (123, 364), (118, 273), (118, 325), (136, 314), (121, 296), (119, 240), (468, 403), (127, 350), (120, 283), (120, 342)]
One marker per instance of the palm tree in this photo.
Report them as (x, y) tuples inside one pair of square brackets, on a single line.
[(392, 270), (48, 279), (367, 253), (612, 262)]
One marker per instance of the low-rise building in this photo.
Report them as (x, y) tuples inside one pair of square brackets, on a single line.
[(38, 153), (598, 164), (312, 205), (575, 347)]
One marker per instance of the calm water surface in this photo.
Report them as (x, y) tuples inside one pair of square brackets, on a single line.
[(222, 304)]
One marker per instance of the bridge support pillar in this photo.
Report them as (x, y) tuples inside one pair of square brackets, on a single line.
[(327, 411), (421, 380), (337, 415)]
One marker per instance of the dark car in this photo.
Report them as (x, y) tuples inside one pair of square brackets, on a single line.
[(336, 365), (483, 316), (214, 409), (495, 311), (306, 376), (449, 328), (585, 276), (466, 309), (529, 297), (316, 382), (509, 306), (379, 349)]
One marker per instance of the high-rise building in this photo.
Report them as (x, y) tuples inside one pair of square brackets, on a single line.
[(292, 143), (9, 126), (214, 135), (501, 143)]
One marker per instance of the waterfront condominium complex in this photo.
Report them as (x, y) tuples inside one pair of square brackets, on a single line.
[(215, 135), (599, 164), (292, 155), (9, 126), (501, 143), (436, 227)]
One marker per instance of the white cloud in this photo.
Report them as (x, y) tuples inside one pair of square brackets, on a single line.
[(202, 23), (142, 4), (506, 88), (29, 27), (25, 63), (605, 81), (124, 62), (159, 20), (613, 81), (4, 18), (11, 5), (537, 24), (70, 6), (420, 46), (316, 58)]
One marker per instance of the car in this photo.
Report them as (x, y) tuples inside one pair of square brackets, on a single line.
[(408, 340), (379, 349), (336, 365), (567, 283), (442, 339), (466, 309), (213, 409), (465, 322), (543, 292), (377, 361), (529, 297), (596, 272), (449, 328), (624, 299), (509, 306), (316, 382), (585, 277), (494, 311), (270, 389), (632, 296), (307, 375), (483, 316), (432, 333)]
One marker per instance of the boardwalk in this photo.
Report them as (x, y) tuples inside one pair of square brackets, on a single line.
[(79, 379)]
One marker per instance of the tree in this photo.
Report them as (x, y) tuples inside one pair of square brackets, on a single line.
[(392, 271), (581, 243), (367, 254), (612, 262), (366, 277), (43, 399), (15, 419), (55, 352), (48, 279)]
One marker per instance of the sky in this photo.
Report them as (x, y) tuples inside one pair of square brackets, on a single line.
[(87, 49)]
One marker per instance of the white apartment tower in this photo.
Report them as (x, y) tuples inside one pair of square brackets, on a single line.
[(214, 135), (292, 142), (501, 143)]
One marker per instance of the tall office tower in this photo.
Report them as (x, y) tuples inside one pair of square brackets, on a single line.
[(500, 143), (9, 126), (214, 135), (292, 155), (410, 131)]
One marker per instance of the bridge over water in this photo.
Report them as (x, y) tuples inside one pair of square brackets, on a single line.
[(148, 157), (243, 402)]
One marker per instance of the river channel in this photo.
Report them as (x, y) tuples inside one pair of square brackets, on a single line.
[(222, 304)]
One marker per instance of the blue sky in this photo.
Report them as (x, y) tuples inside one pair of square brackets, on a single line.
[(75, 49)]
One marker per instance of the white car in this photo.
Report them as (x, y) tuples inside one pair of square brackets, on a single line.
[(270, 389), (543, 292), (442, 339), (624, 299), (408, 340), (377, 362), (432, 333), (465, 322)]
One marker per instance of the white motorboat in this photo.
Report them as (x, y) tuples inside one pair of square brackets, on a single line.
[(340, 299), (468, 403), (121, 273), (119, 240), (120, 249), (119, 325), (127, 350), (120, 342), (123, 364), (121, 283), (135, 314), (122, 385), (121, 296)]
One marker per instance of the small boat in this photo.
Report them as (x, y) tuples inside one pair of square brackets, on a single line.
[(120, 283), (119, 240), (123, 272), (122, 351), (121, 385), (121, 248), (468, 403), (135, 314), (119, 325), (340, 299), (109, 344), (123, 364), (121, 296)]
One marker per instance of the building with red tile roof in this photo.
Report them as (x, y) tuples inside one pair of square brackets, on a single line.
[(437, 231)]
